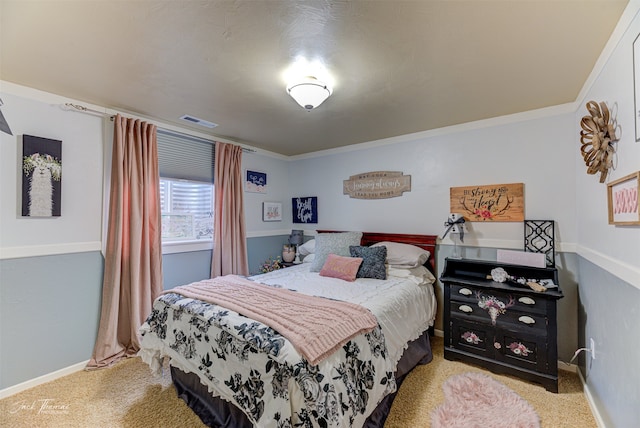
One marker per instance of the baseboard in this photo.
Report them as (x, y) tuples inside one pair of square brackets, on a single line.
[(567, 367), (590, 400), (7, 392)]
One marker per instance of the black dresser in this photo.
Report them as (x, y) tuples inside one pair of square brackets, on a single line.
[(505, 327)]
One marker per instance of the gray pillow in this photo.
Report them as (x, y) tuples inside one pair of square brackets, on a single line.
[(333, 243), (373, 261)]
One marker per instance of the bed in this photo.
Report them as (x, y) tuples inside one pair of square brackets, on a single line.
[(236, 371)]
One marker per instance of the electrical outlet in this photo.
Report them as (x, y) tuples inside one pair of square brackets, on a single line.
[(592, 348)]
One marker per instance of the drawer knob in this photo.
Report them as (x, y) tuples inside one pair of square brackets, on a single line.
[(527, 320), (465, 292), (465, 308), (527, 300)]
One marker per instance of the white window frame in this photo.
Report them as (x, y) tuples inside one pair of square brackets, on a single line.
[(193, 244)]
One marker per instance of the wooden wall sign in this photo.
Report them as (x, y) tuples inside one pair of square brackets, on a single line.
[(495, 202), (376, 185)]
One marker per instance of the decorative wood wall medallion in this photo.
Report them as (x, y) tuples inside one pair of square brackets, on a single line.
[(495, 202), (377, 185), (597, 137)]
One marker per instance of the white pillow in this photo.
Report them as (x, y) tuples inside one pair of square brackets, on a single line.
[(404, 255), (308, 247), (309, 258), (420, 275), (333, 243)]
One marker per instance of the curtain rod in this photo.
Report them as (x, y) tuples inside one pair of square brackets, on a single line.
[(84, 109)]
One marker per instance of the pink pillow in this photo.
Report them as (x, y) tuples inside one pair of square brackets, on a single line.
[(341, 267)]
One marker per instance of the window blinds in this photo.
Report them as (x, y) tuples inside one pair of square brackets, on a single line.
[(185, 157)]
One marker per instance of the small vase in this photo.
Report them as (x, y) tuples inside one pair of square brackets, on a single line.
[(288, 254)]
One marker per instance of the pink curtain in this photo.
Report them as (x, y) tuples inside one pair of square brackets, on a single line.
[(229, 244), (133, 260)]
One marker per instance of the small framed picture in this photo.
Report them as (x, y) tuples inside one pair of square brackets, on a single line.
[(622, 196), (255, 182), (271, 211), (42, 176), (305, 209)]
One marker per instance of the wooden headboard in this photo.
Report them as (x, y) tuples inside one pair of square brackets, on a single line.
[(427, 242)]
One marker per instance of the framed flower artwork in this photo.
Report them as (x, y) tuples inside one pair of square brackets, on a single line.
[(271, 211)]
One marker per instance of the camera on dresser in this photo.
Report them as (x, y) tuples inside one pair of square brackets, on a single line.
[(502, 317)]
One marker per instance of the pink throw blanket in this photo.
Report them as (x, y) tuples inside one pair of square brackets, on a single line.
[(314, 325)]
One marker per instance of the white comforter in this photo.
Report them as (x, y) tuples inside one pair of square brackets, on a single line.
[(258, 370), (404, 304)]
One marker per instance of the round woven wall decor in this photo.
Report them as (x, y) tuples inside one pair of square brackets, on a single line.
[(597, 137)]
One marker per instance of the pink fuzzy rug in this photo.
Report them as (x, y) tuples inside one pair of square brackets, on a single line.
[(476, 400)]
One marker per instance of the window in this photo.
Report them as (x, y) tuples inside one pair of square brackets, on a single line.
[(186, 187), (187, 210)]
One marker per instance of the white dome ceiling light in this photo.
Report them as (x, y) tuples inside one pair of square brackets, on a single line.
[(309, 92)]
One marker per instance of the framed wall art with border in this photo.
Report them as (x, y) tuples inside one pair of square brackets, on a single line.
[(255, 181), (271, 211), (622, 197), (41, 177), (305, 209)]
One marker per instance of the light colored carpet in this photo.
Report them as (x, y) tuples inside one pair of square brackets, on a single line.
[(128, 396)]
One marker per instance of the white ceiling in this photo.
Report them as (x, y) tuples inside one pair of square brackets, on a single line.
[(399, 66)]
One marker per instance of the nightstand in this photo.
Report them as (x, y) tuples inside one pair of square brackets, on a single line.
[(504, 327)]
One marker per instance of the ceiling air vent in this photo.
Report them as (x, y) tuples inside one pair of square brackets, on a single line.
[(197, 121)]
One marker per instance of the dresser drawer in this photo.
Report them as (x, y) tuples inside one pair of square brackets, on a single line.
[(467, 310), (463, 292), (521, 301), (521, 350), (476, 338), (513, 319), (507, 317)]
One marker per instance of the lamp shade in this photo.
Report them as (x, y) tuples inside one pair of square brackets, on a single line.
[(309, 92), (296, 237)]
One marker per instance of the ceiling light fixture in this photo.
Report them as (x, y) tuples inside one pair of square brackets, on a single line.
[(309, 92)]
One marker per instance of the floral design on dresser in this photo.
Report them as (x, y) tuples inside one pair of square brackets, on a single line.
[(471, 337), (493, 305), (519, 349)]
